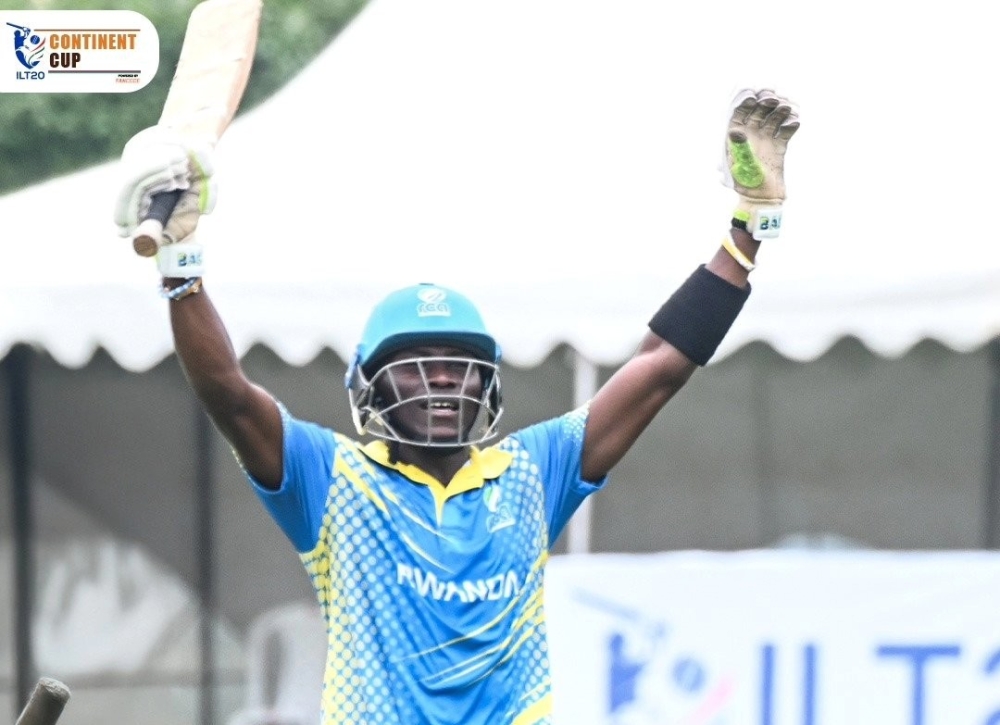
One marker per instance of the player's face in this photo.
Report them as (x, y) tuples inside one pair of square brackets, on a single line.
[(437, 389)]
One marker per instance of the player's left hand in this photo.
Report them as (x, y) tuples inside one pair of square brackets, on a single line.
[(760, 125), (157, 160)]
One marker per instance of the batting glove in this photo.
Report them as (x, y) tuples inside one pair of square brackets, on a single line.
[(156, 160), (760, 125)]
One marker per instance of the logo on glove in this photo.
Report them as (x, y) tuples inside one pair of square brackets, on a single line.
[(192, 259)]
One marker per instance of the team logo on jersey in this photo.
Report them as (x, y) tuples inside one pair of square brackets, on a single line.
[(433, 303), (500, 516)]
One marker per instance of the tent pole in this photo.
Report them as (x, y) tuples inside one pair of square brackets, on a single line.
[(17, 368), (991, 538), (584, 388), (762, 458), (205, 518)]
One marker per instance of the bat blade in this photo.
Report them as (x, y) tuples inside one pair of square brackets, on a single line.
[(208, 84), (45, 704), (213, 68)]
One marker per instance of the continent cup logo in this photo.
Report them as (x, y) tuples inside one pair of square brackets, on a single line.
[(77, 51), (28, 46)]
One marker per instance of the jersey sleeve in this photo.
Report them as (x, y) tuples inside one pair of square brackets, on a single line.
[(297, 505), (557, 447)]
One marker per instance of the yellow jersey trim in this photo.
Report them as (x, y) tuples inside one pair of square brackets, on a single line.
[(482, 466)]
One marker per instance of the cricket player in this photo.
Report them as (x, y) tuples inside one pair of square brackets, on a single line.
[(427, 539)]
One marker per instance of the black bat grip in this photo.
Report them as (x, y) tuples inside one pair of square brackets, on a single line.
[(149, 234), (162, 205)]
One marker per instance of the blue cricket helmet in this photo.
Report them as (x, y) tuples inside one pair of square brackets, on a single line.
[(420, 315), (424, 314)]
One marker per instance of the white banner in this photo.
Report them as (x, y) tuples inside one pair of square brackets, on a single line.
[(776, 638)]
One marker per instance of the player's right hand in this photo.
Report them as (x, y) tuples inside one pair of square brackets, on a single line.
[(157, 160)]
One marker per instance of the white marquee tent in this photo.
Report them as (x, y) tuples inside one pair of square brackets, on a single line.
[(556, 160)]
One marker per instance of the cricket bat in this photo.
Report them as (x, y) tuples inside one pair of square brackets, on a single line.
[(211, 75), (45, 704)]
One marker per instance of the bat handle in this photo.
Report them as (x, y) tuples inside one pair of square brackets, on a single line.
[(149, 234), (45, 704)]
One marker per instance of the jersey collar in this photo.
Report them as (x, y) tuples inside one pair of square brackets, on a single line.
[(482, 466)]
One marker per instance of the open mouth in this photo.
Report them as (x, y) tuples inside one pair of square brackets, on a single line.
[(440, 407)]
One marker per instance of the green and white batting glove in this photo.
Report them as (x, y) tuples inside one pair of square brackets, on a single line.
[(760, 125), (156, 160)]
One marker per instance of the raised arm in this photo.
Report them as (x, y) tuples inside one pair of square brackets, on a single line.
[(686, 331), (244, 413), (154, 161)]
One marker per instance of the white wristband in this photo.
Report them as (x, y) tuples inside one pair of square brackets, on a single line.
[(183, 259)]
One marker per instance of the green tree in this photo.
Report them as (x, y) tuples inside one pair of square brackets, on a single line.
[(47, 135)]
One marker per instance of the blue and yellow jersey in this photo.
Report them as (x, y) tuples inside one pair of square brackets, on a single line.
[(432, 594)]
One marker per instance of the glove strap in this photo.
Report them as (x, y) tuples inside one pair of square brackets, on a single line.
[(183, 259), (763, 222)]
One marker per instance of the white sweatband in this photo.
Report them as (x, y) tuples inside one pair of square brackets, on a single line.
[(183, 259)]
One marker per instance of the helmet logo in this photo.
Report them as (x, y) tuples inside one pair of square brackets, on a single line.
[(432, 303)]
